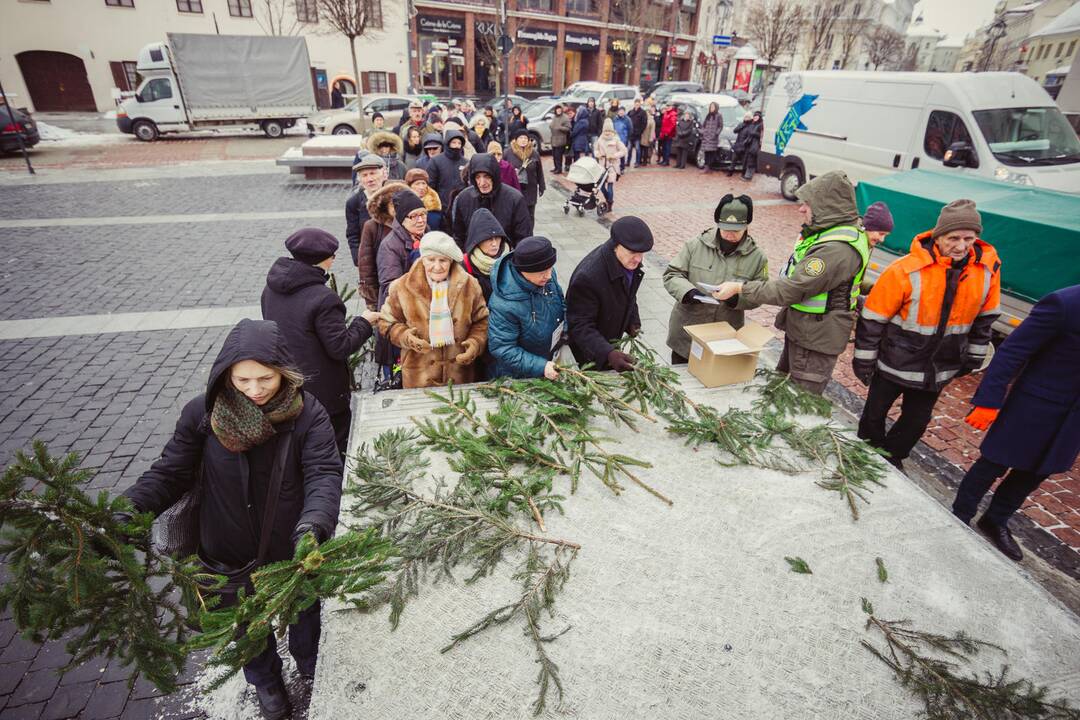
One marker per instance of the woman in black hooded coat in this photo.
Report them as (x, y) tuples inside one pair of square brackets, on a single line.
[(253, 421)]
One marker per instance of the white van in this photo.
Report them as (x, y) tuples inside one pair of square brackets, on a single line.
[(995, 125)]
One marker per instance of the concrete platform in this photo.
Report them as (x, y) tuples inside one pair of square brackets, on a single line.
[(690, 611), (325, 157)]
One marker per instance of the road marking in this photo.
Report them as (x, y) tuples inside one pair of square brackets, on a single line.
[(167, 219), (126, 322)]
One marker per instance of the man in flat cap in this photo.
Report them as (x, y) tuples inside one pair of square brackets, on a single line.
[(601, 300)]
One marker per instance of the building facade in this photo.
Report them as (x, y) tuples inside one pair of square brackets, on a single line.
[(455, 45), (58, 55), (1051, 49)]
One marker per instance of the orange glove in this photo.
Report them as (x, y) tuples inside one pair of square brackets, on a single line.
[(980, 418)]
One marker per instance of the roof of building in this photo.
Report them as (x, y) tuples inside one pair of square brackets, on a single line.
[(1063, 70), (1065, 23), (952, 41)]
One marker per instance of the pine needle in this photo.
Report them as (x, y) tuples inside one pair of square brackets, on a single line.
[(882, 573), (798, 565)]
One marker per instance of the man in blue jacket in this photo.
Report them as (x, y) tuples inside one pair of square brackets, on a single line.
[(1034, 431), (526, 324)]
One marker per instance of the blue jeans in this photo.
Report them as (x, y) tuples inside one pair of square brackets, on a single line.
[(634, 153), (265, 669), (609, 192), (665, 150)]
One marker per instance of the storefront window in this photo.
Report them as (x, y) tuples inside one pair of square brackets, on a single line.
[(434, 69), (534, 67), (543, 5)]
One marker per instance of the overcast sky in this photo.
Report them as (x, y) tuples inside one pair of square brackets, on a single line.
[(955, 17)]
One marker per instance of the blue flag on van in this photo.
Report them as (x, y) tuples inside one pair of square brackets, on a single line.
[(793, 121)]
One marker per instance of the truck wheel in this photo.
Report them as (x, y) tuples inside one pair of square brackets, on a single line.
[(700, 160), (273, 128), (344, 130), (790, 181), (145, 130)]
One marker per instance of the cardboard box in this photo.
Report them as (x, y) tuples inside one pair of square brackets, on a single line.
[(722, 355)]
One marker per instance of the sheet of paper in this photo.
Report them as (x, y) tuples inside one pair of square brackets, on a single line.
[(696, 350), (556, 336), (707, 300), (728, 346), (707, 287)]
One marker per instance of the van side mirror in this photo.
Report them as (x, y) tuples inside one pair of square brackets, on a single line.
[(960, 154)]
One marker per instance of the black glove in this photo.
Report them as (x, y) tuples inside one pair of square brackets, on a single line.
[(620, 361), (969, 365), (693, 296), (864, 370), (304, 528), (732, 301), (633, 330)]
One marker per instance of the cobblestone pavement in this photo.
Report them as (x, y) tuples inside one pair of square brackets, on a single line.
[(71, 249), (1055, 507)]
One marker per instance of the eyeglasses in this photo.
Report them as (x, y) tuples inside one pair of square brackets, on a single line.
[(417, 215)]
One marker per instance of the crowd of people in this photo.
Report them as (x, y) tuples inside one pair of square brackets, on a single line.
[(459, 288)]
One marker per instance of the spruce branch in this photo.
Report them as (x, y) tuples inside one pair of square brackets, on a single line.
[(798, 565), (882, 573), (852, 465), (606, 390), (367, 351), (652, 382), (541, 582), (778, 395), (738, 433), (344, 567), (930, 666)]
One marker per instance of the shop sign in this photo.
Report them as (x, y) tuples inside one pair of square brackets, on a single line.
[(580, 41), (436, 25), (680, 50), (655, 49), (537, 37), (486, 27), (619, 46)]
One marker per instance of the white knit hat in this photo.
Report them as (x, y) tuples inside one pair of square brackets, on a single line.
[(439, 243)]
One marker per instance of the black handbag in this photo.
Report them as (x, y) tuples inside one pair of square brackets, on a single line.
[(237, 578)]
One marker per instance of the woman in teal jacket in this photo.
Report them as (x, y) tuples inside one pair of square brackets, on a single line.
[(526, 325)]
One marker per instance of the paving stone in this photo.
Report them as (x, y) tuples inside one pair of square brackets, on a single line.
[(36, 686), (106, 701), (91, 670), (30, 711), (11, 674), (19, 649)]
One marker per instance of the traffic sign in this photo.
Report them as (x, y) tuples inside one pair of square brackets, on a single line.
[(457, 60), (721, 40), (438, 53), (457, 51), (505, 44), (437, 45)]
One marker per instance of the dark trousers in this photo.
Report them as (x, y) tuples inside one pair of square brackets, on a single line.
[(1008, 497), (646, 154), (665, 151), (677, 359), (532, 213), (265, 669), (916, 409), (342, 423), (808, 368), (681, 154), (578, 153), (608, 189), (557, 157), (710, 159)]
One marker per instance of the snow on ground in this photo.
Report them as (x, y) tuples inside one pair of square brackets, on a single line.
[(62, 136)]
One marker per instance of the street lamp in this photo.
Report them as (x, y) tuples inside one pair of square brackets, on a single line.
[(996, 31)]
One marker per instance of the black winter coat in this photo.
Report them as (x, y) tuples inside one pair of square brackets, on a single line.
[(505, 203), (532, 179), (356, 214), (596, 121), (483, 227), (638, 121), (444, 170), (311, 316), (235, 484), (599, 305), (747, 137)]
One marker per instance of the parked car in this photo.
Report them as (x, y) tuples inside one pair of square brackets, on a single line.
[(13, 123), (602, 93), (662, 90), (346, 120), (538, 113), (496, 103), (730, 110)]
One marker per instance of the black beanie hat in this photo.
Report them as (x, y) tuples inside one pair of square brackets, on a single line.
[(405, 201), (518, 133), (311, 245), (533, 254), (632, 233)]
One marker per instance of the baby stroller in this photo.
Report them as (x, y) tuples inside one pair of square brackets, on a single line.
[(589, 176)]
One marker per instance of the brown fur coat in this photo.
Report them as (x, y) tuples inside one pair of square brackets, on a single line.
[(408, 306), (371, 236)]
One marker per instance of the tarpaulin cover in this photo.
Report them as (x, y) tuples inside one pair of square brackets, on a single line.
[(1036, 232), (241, 72)]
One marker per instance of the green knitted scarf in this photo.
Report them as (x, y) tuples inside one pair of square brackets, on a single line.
[(240, 424)]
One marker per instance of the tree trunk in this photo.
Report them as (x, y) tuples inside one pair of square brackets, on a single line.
[(765, 88), (356, 79)]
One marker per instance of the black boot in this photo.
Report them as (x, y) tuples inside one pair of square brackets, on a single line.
[(1001, 537), (274, 700)]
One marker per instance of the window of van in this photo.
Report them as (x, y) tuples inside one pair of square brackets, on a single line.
[(1029, 136), (159, 89), (627, 94), (942, 130)]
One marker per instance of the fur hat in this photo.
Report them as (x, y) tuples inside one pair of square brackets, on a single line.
[(416, 174), (382, 137), (439, 243), (378, 204)]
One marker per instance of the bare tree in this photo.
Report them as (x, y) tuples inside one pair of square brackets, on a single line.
[(487, 50), (774, 30), (910, 58), (851, 26), (274, 18), (353, 19), (638, 22), (820, 17), (884, 46)]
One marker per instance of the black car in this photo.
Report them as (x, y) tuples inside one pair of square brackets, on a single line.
[(11, 128), (662, 90)]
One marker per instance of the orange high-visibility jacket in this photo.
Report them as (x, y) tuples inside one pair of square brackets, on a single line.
[(926, 321)]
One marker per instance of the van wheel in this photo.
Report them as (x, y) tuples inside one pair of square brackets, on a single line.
[(273, 128), (145, 130), (700, 158), (344, 130), (790, 181)]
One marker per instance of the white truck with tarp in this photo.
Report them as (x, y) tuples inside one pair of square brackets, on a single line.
[(195, 82)]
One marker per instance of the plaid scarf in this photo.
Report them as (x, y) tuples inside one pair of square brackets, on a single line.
[(440, 324), (240, 424)]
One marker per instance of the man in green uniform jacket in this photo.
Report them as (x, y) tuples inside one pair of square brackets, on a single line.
[(818, 288)]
